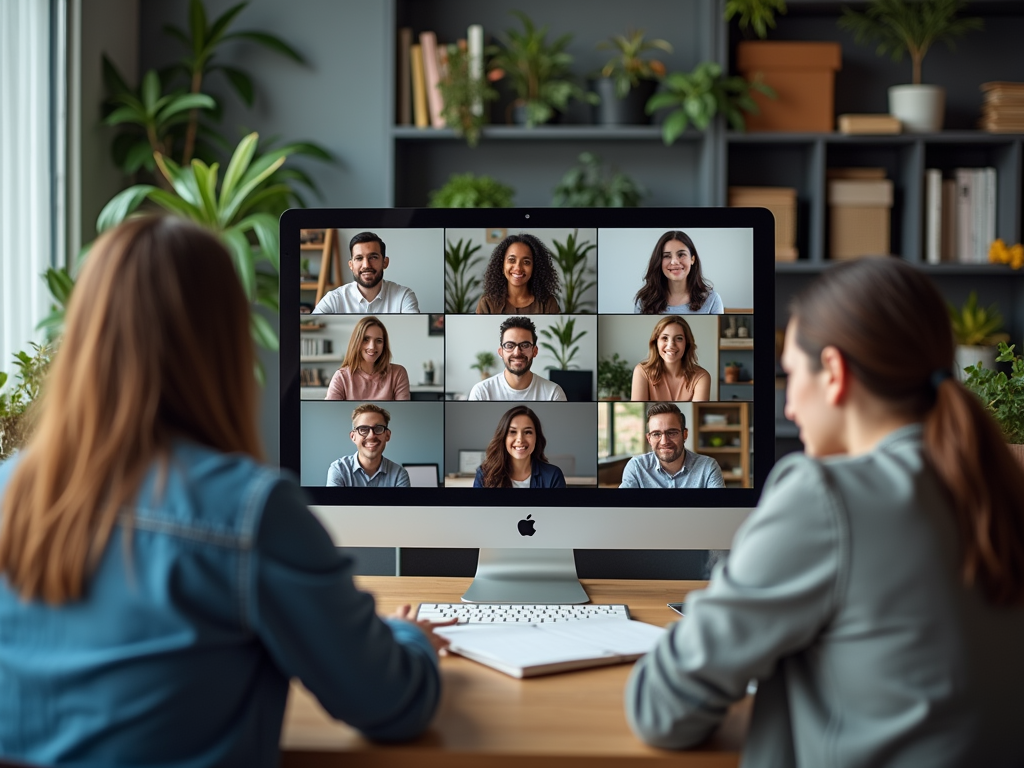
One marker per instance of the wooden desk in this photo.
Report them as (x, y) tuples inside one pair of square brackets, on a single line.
[(486, 718)]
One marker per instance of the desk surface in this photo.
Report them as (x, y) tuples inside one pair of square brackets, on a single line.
[(489, 719)]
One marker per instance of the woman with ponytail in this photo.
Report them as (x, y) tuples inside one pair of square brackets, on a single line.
[(876, 594), (159, 588)]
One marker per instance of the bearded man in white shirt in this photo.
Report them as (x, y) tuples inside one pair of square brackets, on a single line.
[(369, 292)]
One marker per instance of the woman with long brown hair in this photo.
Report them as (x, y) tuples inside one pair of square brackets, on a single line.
[(159, 586), (876, 594), (670, 373), (674, 281), (515, 456), (367, 372)]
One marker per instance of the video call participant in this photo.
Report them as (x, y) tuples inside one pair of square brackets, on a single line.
[(669, 464), (518, 347), (520, 277), (515, 456), (367, 467), (876, 593), (674, 282), (368, 291), (367, 372), (159, 586), (670, 372)]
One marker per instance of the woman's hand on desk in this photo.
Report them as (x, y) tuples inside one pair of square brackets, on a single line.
[(440, 643)]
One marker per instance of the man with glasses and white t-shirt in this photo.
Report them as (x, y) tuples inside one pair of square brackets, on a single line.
[(367, 467), (669, 464), (518, 347)]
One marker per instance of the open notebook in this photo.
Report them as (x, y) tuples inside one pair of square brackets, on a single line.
[(527, 650)]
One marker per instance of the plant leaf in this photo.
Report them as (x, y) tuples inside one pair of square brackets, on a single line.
[(122, 204)]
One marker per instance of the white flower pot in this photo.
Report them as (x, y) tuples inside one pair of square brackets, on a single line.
[(920, 108), (972, 356)]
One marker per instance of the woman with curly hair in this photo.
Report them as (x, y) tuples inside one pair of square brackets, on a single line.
[(520, 279), (367, 372), (670, 372), (515, 456), (674, 282)]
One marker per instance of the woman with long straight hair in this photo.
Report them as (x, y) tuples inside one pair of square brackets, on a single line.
[(876, 594), (367, 372), (670, 373), (674, 281), (159, 586), (515, 456)]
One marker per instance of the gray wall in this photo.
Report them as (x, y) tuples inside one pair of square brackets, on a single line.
[(568, 427), (727, 259), (417, 431)]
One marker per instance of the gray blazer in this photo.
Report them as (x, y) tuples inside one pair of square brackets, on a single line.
[(842, 598)]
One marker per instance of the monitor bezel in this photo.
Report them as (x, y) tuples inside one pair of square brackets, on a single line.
[(759, 220)]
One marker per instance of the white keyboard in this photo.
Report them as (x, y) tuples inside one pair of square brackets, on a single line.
[(515, 613)]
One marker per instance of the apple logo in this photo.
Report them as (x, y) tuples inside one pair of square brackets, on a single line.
[(526, 526)]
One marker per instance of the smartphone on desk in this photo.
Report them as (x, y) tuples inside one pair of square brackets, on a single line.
[(677, 607)]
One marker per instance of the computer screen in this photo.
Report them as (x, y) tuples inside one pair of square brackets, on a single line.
[(588, 378)]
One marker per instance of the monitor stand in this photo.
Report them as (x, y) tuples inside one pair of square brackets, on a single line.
[(532, 576)]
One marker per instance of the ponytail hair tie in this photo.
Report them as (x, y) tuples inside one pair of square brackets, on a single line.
[(939, 376)]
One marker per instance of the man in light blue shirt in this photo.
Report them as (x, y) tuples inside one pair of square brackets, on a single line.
[(367, 467), (669, 464)]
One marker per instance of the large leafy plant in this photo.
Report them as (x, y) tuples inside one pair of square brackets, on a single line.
[(562, 342), (628, 67), (908, 26), (589, 184), (1002, 395), (461, 292), (464, 190), (572, 258), (537, 71), (698, 96)]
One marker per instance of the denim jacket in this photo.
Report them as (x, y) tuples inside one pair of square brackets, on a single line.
[(542, 475), (208, 598)]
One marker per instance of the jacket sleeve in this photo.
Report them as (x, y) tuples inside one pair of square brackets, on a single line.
[(771, 599), (379, 677)]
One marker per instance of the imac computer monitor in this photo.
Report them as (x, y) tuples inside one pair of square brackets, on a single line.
[(580, 378)]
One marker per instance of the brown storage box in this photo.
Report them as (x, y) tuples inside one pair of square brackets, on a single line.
[(859, 218), (781, 201), (803, 76)]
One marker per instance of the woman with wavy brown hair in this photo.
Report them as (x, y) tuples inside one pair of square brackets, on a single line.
[(674, 281), (876, 594), (670, 373), (367, 372), (515, 456), (159, 586)]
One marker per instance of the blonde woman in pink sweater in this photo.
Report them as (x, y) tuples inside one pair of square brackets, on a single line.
[(367, 373)]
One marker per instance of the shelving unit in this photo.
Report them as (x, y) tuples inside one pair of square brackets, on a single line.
[(329, 276), (728, 442)]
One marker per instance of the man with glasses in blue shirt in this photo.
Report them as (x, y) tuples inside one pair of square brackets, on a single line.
[(517, 348), (669, 464), (367, 467)]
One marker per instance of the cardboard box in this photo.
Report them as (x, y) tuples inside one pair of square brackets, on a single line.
[(781, 201), (803, 76), (859, 217)]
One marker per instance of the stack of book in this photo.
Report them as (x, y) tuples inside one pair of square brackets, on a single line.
[(860, 205), (1003, 108), (315, 347), (781, 201), (960, 215), (869, 124), (422, 63)]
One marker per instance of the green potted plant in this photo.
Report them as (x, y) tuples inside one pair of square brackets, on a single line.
[(562, 342), (538, 73), (699, 95), (977, 331), (628, 79), (464, 190), (15, 405), (485, 362), (460, 287), (572, 257), (614, 378), (1002, 395), (465, 97), (589, 184), (758, 15), (911, 26)]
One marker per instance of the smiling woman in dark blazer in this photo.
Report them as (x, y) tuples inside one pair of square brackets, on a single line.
[(515, 456)]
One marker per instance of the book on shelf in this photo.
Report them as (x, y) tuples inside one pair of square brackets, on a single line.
[(948, 241), (403, 107), (528, 650), (316, 346), (419, 87), (1002, 110), (869, 124), (432, 78), (933, 215), (475, 48), (975, 213)]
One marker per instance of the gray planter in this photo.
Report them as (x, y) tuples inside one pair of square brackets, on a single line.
[(628, 111)]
